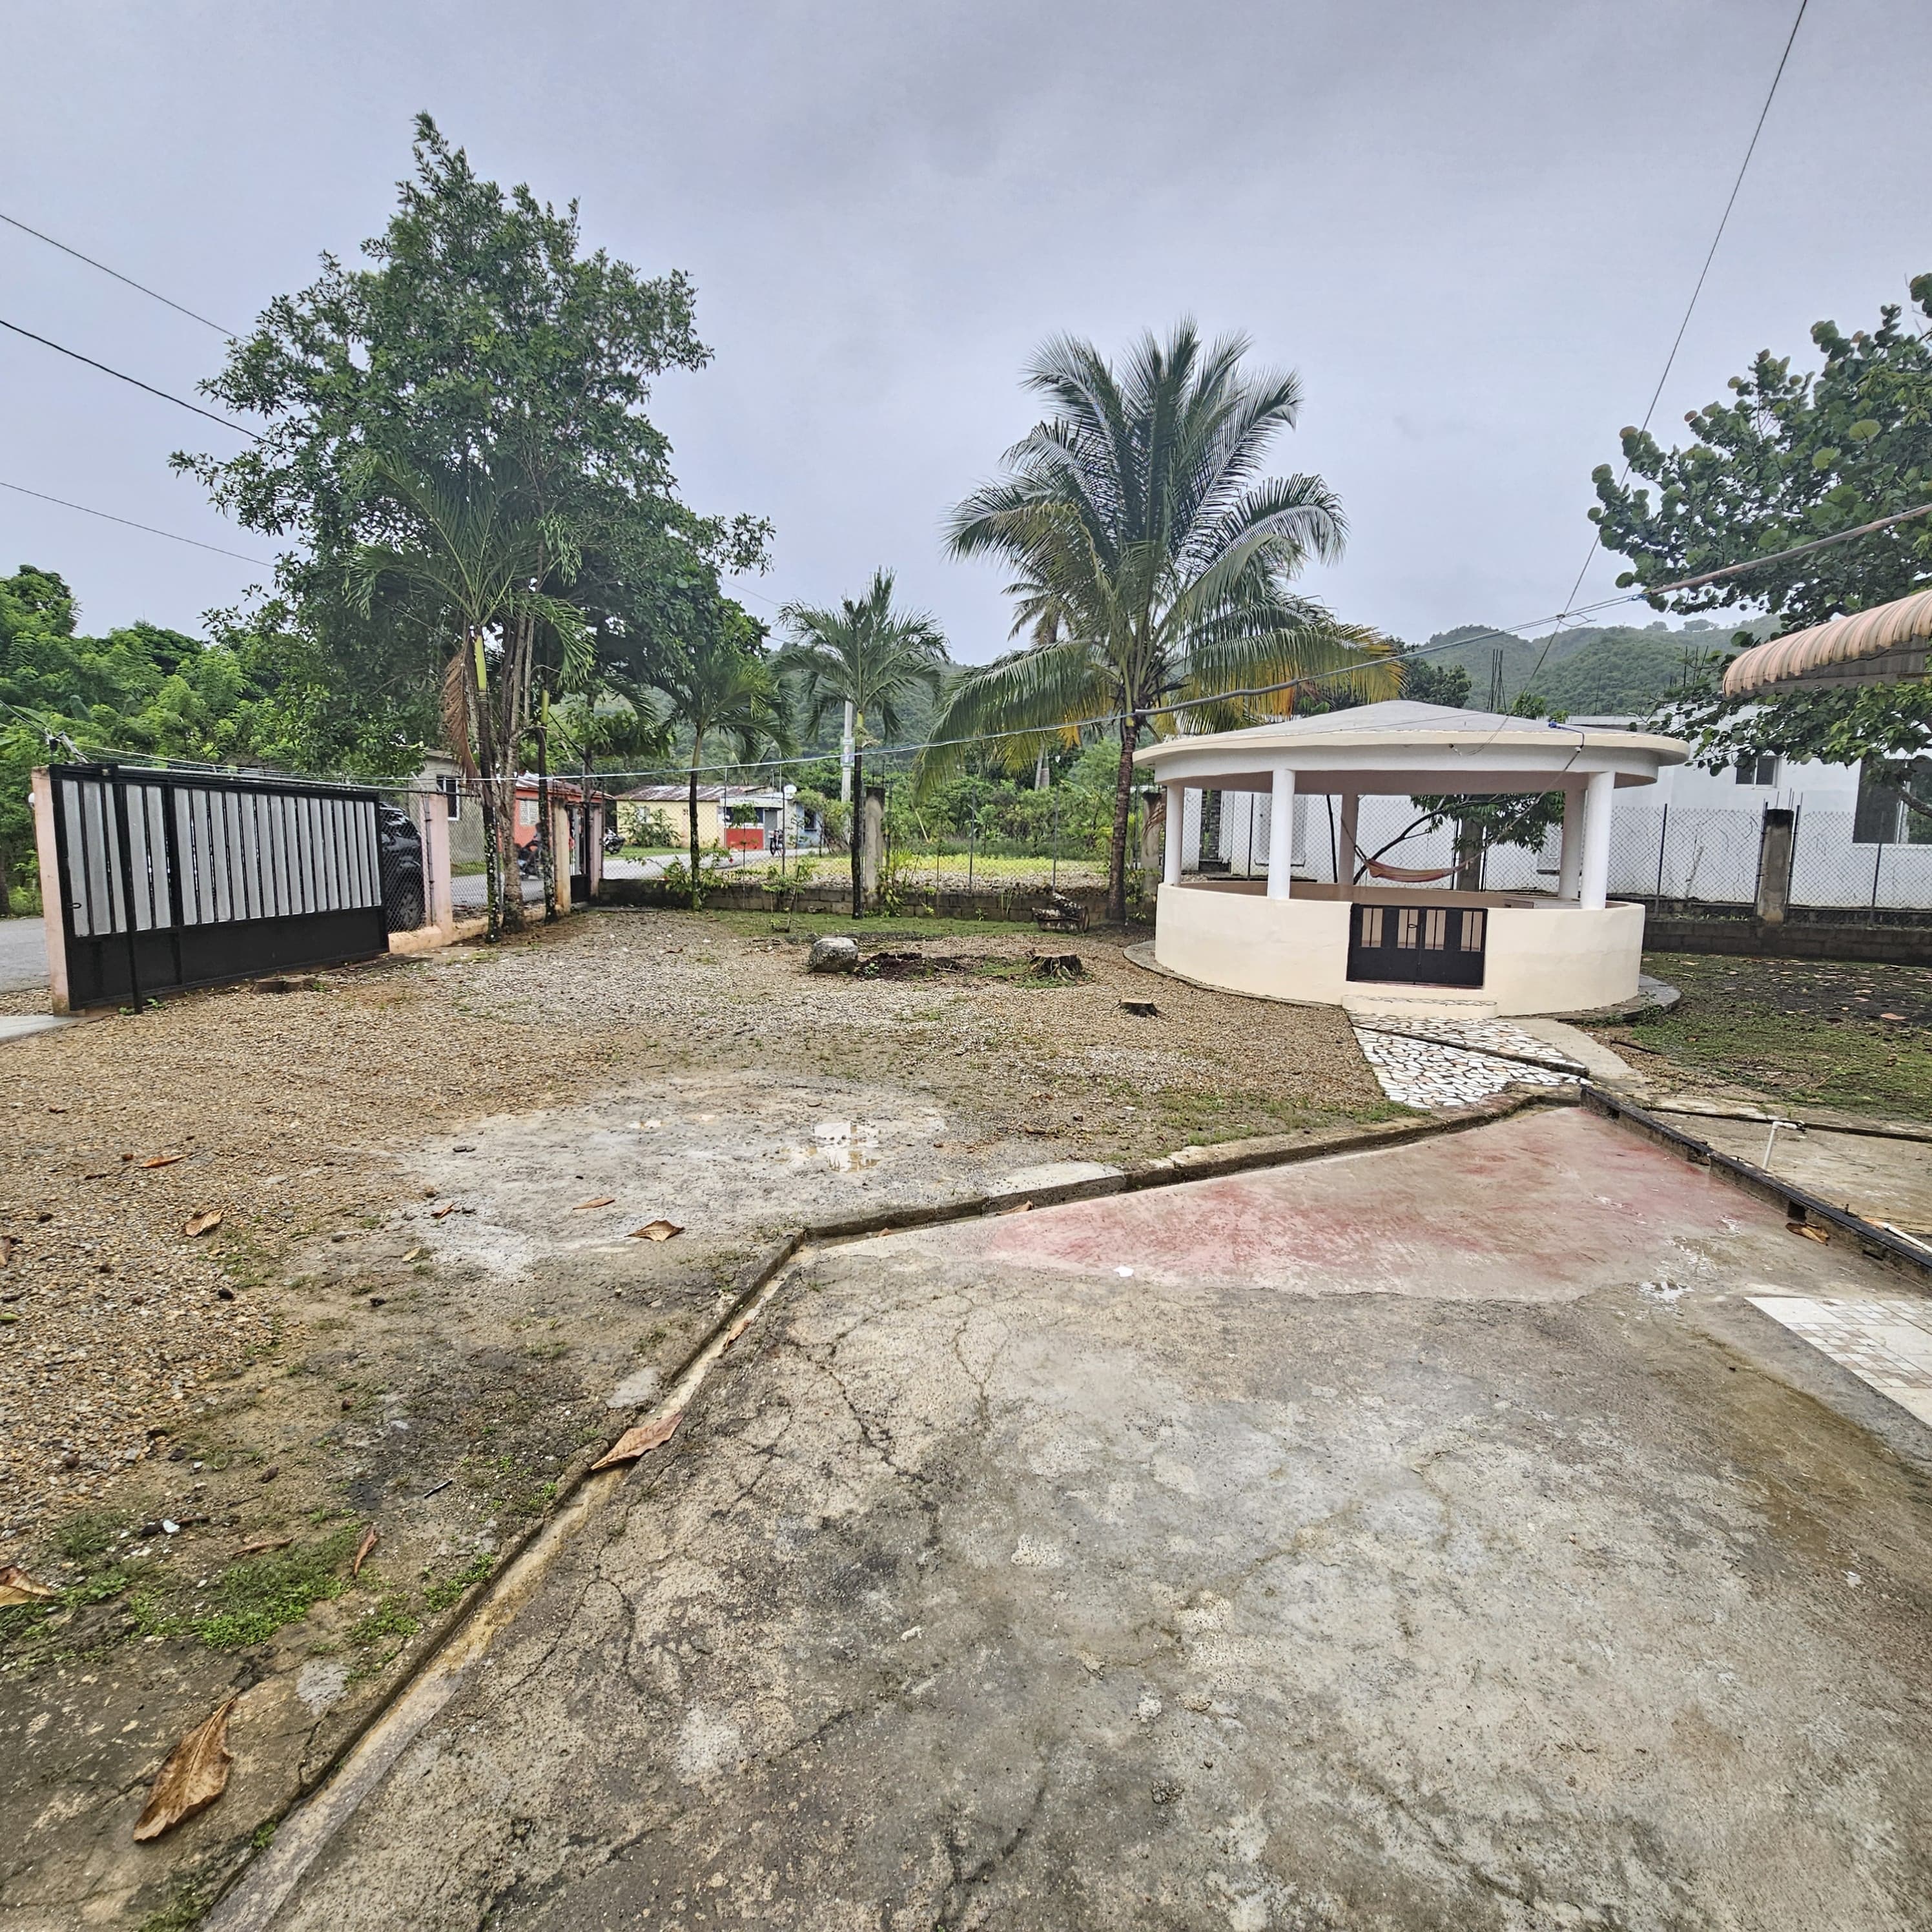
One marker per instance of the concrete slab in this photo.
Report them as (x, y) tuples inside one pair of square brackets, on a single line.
[(21, 1026), (1400, 1541), (1881, 1180)]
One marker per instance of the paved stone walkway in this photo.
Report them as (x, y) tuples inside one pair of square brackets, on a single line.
[(1432, 1074), (1885, 1341)]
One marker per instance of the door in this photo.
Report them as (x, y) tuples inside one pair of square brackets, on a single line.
[(1418, 946)]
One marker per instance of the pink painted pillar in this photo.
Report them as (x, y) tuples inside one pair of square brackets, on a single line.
[(559, 847), (53, 914), (440, 904)]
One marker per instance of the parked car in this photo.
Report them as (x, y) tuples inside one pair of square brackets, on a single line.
[(399, 858)]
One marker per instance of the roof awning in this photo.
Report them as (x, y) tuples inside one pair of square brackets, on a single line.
[(1884, 645)]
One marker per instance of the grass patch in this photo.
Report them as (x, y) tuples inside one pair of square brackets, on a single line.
[(253, 1600), (1808, 1031), (391, 1617), (440, 1592), (89, 1534)]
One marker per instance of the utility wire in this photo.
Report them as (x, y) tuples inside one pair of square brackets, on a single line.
[(121, 376), (20, 489), (1677, 341), (155, 294), (1779, 556)]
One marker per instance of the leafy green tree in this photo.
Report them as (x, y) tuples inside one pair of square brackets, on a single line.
[(871, 656), (1149, 563), (720, 685), (1794, 456), (485, 348), (1428, 682), (141, 690), (471, 563)]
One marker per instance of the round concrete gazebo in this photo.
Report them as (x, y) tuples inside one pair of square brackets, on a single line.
[(1386, 937)]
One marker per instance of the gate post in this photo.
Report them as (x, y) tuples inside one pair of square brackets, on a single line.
[(593, 855), (53, 887), (441, 907), (1775, 847), (558, 833)]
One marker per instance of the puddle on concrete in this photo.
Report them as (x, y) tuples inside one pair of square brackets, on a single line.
[(725, 1156), (846, 1146)]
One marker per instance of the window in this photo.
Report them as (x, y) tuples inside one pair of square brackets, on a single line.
[(1371, 917), (452, 793), (1408, 927), (1435, 930), (1472, 931), (1758, 768)]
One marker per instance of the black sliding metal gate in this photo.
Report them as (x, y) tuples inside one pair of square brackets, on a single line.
[(174, 879)]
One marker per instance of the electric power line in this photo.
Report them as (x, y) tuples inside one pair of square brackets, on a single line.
[(155, 294), (122, 377), (20, 489), (1677, 341)]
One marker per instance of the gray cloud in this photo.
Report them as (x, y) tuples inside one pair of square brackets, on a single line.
[(1471, 229)]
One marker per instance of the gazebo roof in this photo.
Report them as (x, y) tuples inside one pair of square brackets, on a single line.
[(1402, 746)]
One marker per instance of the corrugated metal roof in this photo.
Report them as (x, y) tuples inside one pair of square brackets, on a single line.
[(1884, 645)]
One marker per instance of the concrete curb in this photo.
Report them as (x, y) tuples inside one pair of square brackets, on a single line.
[(1801, 1207)]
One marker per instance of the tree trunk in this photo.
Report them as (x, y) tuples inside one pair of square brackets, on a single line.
[(545, 818), (1124, 794), (697, 752), (858, 838), (486, 767)]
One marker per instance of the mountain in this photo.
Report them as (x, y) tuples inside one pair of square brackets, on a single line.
[(1594, 668)]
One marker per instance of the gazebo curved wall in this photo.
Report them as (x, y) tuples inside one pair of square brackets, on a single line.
[(1538, 959)]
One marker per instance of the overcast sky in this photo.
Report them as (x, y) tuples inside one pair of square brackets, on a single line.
[(1472, 229)]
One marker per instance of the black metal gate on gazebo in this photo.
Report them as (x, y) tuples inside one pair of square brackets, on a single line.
[(175, 879), (1417, 946)]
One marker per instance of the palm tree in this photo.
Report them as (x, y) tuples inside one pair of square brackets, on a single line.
[(474, 559), (870, 656), (720, 685), (1152, 561)]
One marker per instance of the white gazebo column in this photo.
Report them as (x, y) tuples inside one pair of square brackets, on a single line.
[(1350, 857), (1594, 885), (1177, 814), (1570, 867), (1281, 832)]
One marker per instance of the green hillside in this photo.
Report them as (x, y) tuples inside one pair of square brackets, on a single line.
[(1592, 669)]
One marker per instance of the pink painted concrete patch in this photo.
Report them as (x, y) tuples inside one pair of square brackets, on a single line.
[(1543, 1207)]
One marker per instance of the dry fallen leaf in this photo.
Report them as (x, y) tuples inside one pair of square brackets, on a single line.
[(1810, 1233), (369, 1540), (641, 1440), (17, 1587), (448, 1207), (164, 1160), (205, 1222), (8, 1244), (602, 1201), (414, 1254), (655, 1230), (262, 1543), (195, 1775)]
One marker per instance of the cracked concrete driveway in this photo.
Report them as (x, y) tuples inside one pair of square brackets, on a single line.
[(1432, 1536)]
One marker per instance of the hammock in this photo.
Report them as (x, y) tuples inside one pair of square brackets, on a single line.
[(1410, 875)]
